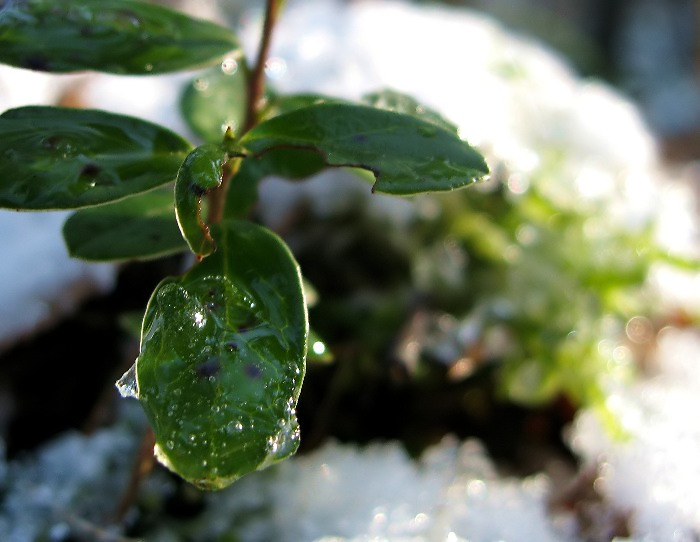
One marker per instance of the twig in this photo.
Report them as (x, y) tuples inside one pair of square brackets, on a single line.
[(256, 84), (142, 466), (256, 90)]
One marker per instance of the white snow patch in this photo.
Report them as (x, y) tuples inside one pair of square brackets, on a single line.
[(653, 474)]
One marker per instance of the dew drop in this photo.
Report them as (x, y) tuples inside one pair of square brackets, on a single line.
[(201, 84), (229, 66), (234, 427), (127, 384), (148, 67), (170, 445), (275, 68), (319, 348)]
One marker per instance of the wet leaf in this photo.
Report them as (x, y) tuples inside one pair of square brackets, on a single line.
[(216, 99), (60, 158), (279, 104), (291, 164), (136, 228), (115, 36), (223, 358), (406, 154), (200, 173), (391, 100)]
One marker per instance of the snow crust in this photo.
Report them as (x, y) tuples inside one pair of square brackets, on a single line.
[(521, 105), (654, 472)]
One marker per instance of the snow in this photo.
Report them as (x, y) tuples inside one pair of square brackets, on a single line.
[(527, 110), (654, 471)]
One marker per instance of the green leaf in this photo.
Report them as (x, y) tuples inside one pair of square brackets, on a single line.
[(137, 228), (391, 100), (223, 358), (292, 164), (407, 155), (286, 103), (215, 100), (201, 172), (60, 158), (115, 36)]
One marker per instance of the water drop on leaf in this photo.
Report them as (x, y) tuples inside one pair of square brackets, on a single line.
[(127, 384), (247, 294)]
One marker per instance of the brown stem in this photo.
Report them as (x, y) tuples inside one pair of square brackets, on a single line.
[(256, 85), (142, 466), (256, 90), (217, 198)]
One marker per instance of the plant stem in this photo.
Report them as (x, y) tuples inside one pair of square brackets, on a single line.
[(256, 91), (256, 84), (142, 466)]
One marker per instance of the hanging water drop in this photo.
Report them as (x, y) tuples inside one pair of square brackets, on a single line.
[(127, 384)]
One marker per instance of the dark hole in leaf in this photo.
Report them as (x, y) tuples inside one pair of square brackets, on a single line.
[(211, 367), (253, 371), (91, 170)]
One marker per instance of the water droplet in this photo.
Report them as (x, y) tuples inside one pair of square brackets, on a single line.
[(192, 438), (216, 408), (199, 319), (234, 427), (229, 66), (148, 67), (127, 384), (275, 67), (201, 84), (170, 445)]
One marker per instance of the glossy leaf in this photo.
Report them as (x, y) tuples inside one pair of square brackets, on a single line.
[(279, 104), (59, 158), (391, 100), (137, 228), (216, 99), (223, 358), (200, 173), (115, 36), (291, 164), (407, 155)]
